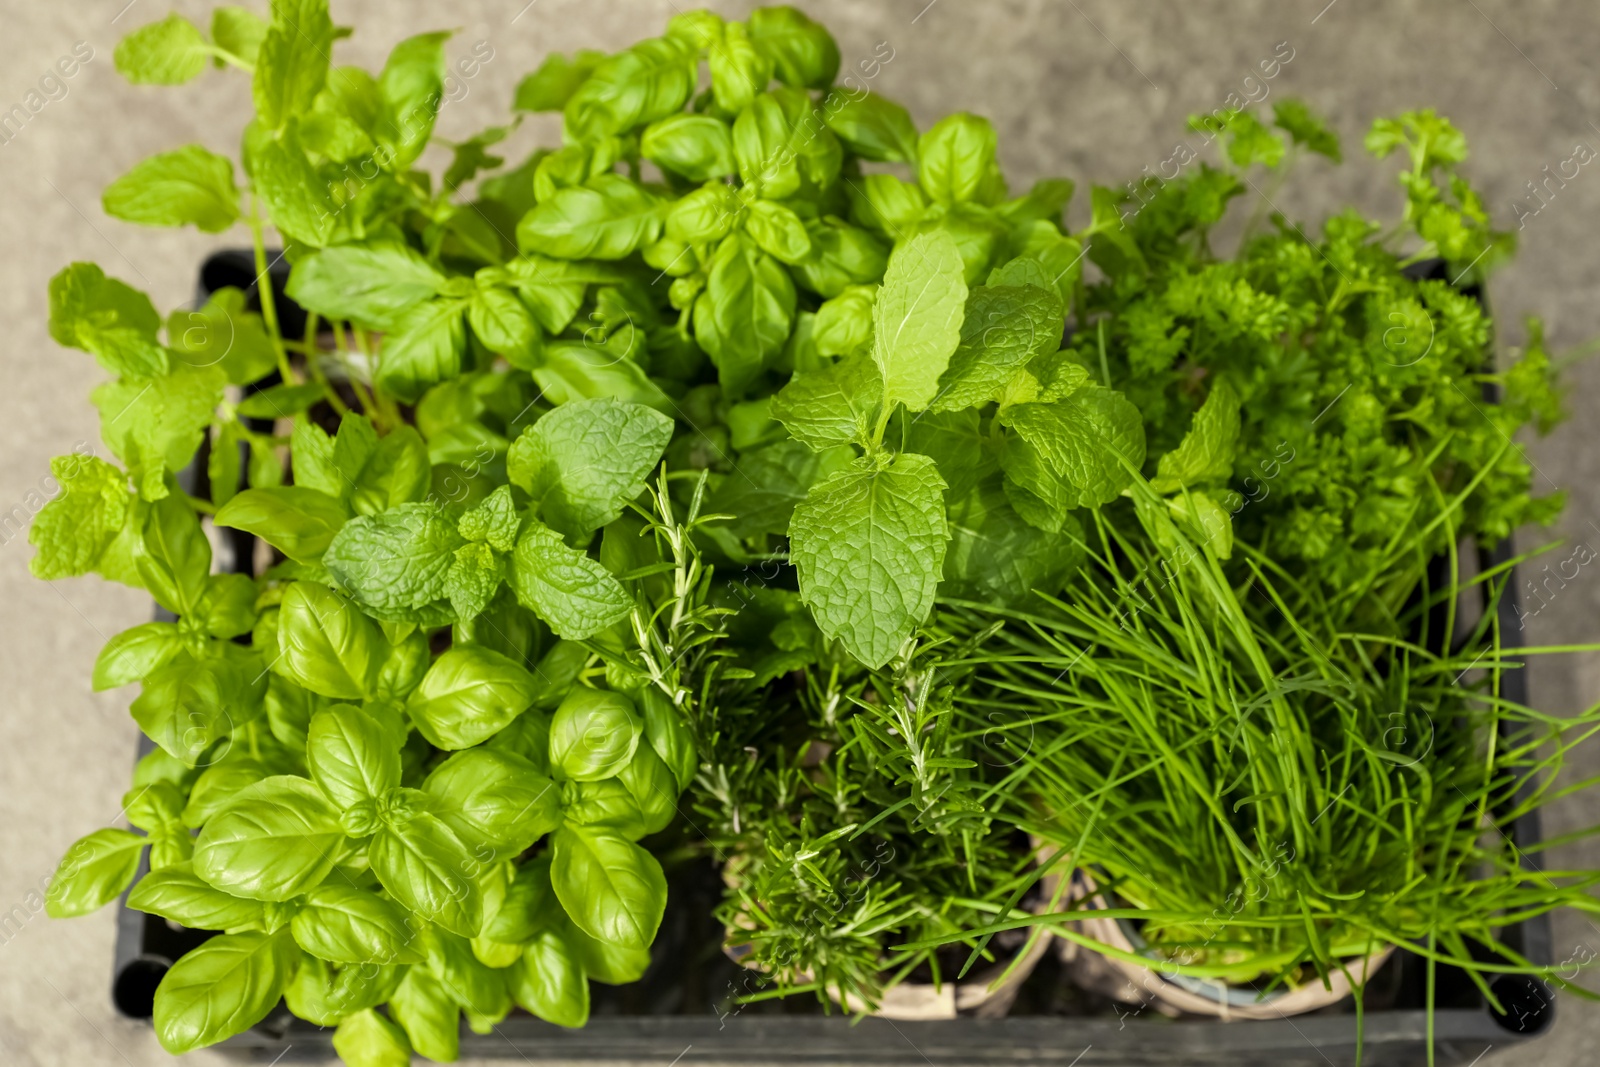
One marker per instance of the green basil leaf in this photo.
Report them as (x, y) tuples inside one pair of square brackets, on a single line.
[(181, 896), (327, 645), (653, 785), (343, 924), (410, 91), (869, 545), (324, 994), (188, 705), (608, 217), (605, 962), (803, 52), (173, 556), (428, 1013), (594, 734), (549, 981), (187, 186), (95, 870), (873, 127), (228, 605), (743, 318), (611, 888), (351, 756), (476, 987), (670, 736), (367, 1039), (558, 77), (275, 840), (740, 71), (698, 147), (169, 52), (425, 866), (397, 473), (222, 988), (574, 371), (217, 785), (523, 911), (297, 521), (606, 803), (956, 159), (425, 348), (469, 694), (649, 81), (135, 653), (494, 799)]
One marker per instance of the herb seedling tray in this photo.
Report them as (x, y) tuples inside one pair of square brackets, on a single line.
[(684, 1009)]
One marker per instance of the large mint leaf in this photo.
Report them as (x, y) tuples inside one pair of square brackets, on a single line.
[(767, 483), (833, 405), (186, 185), (870, 545), (566, 588), (110, 320), (1004, 327), (997, 558), (917, 318), (1206, 452), (585, 460), (72, 530), (396, 564), (1094, 439)]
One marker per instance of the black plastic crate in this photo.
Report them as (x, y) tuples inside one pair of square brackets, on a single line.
[(683, 1010)]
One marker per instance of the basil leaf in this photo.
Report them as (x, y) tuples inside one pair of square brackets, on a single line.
[(396, 473), (494, 799), (425, 866), (739, 69), (275, 840), (956, 160), (469, 694), (606, 803), (367, 1039), (571, 592), (653, 786), (351, 756), (222, 988), (549, 981), (324, 994), (558, 77), (135, 653), (605, 962), (611, 888), (649, 81), (95, 870), (584, 461), (395, 564), (608, 217), (297, 521), (743, 318), (869, 545), (188, 705), (872, 126), (425, 348), (187, 186), (325, 644), (343, 924), (573, 372), (594, 734), (803, 52), (670, 736), (429, 1015), (173, 556), (778, 231), (698, 147), (474, 986), (917, 318), (217, 784), (181, 896), (410, 91), (370, 285), (169, 52)]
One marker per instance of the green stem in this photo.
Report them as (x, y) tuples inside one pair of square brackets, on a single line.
[(269, 310)]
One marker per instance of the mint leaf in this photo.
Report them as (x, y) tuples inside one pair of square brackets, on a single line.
[(870, 544), (296, 195), (223, 333), (187, 186), (73, 530), (292, 62), (495, 521), (370, 285), (585, 460), (111, 321), (571, 592), (835, 405), (395, 564), (917, 318), (157, 425), (1094, 439), (238, 31), (997, 558), (767, 484), (1206, 452), (473, 579), (1003, 328), (1038, 494), (169, 52)]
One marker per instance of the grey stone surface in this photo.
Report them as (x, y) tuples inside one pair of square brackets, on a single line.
[(1093, 90)]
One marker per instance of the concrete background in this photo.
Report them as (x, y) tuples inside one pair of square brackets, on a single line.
[(1093, 90)]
